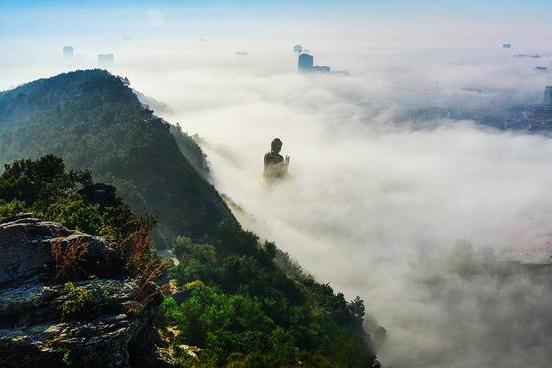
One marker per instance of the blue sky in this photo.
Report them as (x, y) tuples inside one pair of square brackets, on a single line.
[(28, 18), (265, 3), (474, 6)]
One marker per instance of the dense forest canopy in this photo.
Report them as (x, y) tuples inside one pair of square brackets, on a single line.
[(95, 121), (45, 188)]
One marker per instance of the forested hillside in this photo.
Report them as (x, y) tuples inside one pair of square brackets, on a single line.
[(94, 121), (233, 303), (230, 300)]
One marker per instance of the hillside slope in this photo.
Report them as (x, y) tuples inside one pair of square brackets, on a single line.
[(234, 300), (103, 300), (94, 121)]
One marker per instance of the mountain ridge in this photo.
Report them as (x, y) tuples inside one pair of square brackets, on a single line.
[(95, 121)]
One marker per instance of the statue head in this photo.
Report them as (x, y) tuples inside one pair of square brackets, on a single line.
[(276, 145)]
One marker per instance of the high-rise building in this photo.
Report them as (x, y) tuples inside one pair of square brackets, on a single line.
[(68, 51), (305, 62), (106, 59), (541, 118), (548, 96)]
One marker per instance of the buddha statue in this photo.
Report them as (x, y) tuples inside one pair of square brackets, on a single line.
[(275, 166)]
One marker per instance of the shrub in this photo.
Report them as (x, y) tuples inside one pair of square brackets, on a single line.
[(83, 300), (79, 301), (11, 208), (69, 257), (194, 284), (142, 264)]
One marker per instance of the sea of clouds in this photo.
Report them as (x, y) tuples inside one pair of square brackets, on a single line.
[(413, 216)]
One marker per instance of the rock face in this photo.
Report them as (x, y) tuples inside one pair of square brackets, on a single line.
[(24, 247), (95, 322)]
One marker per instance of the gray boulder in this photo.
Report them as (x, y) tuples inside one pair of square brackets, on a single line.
[(94, 321)]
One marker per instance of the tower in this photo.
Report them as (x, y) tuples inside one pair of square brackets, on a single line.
[(106, 59), (68, 51), (305, 62), (548, 97)]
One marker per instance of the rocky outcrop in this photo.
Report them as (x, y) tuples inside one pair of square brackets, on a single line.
[(26, 247), (45, 322)]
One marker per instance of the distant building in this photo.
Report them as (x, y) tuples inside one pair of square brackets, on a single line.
[(535, 118), (106, 59), (541, 117), (321, 68), (548, 96), (530, 263), (534, 56), (68, 51), (506, 45), (305, 62), (532, 256)]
